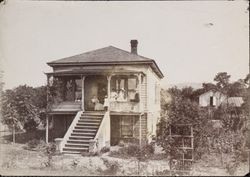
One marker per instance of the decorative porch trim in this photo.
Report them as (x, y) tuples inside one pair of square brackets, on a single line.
[(109, 90), (83, 106)]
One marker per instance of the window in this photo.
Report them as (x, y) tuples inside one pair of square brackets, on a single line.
[(124, 88), (212, 101), (126, 127), (78, 90)]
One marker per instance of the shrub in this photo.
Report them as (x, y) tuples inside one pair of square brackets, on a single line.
[(49, 152), (134, 150), (36, 144), (30, 126), (105, 149), (131, 149), (148, 149)]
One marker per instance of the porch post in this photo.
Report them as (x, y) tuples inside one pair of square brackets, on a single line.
[(47, 109), (140, 91), (140, 108), (83, 78), (140, 131), (47, 129), (109, 79)]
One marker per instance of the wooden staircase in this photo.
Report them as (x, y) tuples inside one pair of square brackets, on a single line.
[(85, 130)]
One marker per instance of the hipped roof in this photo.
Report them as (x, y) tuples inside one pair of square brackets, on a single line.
[(107, 56)]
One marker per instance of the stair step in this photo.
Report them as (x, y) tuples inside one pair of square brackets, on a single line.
[(78, 141), (71, 152), (93, 113), (88, 123), (87, 127), (75, 145), (91, 116), (76, 149), (83, 134), (84, 130), (89, 120), (80, 137)]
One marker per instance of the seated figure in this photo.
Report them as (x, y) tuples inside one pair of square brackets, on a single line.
[(98, 106), (113, 95), (121, 95)]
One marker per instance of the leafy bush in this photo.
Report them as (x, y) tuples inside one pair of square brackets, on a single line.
[(49, 152), (134, 150), (36, 144), (148, 149), (105, 149), (30, 126), (130, 150)]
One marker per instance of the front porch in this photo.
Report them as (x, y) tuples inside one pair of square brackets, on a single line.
[(117, 92)]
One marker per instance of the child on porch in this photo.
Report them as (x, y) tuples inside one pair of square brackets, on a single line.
[(106, 103)]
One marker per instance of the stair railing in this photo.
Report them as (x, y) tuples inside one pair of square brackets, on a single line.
[(69, 131), (102, 138)]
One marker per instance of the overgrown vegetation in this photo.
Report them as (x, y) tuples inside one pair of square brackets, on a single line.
[(134, 150), (49, 152), (230, 138), (35, 144)]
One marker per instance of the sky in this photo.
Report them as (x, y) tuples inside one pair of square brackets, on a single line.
[(190, 41)]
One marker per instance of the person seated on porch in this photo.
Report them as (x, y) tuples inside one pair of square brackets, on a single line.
[(98, 106), (121, 95), (136, 97), (113, 95)]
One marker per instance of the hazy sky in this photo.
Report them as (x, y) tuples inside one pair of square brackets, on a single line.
[(190, 41)]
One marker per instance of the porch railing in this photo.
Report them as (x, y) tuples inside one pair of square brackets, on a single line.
[(102, 138), (124, 106), (70, 129)]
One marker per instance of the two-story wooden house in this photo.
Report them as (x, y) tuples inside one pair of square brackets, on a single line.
[(102, 97)]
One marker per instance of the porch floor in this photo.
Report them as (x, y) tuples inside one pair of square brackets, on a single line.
[(66, 107)]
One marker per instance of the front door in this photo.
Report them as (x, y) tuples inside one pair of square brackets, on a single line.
[(95, 89)]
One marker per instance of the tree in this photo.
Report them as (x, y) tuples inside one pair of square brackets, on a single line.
[(237, 89), (222, 79), (21, 108), (208, 86)]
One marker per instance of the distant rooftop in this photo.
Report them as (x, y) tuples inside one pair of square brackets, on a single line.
[(235, 101)]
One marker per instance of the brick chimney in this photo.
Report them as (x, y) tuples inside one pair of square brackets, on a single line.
[(134, 46)]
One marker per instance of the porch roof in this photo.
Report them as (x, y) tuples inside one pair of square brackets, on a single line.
[(77, 72), (107, 56)]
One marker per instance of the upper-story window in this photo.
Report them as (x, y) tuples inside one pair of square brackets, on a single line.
[(124, 88)]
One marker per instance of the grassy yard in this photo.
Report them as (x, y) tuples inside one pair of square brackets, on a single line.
[(16, 159)]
